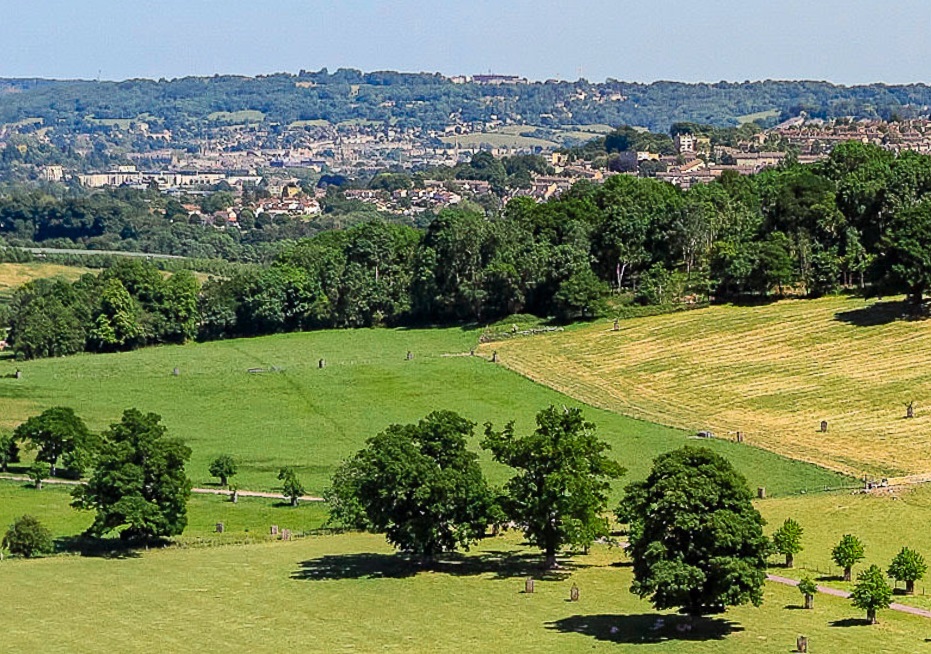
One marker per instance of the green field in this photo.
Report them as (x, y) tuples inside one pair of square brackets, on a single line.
[(313, 418), (759, 115), (884, 521), (773, 372), (245, 591), (249, 519), (350, 593), (242, 117)]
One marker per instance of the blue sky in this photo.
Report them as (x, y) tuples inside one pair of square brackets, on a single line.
[(848, 42)]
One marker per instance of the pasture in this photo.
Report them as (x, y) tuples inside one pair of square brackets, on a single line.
[(884, 520), (247, 520), (351, 593), (242, 117), (773, 372), (14, 275), (295, 413), (759, 115)]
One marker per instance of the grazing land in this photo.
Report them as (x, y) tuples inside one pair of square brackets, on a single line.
[(242, 117), (885, 520), (249, 519), (295, 413), (773, 372), (14, 275), (758, 115), (349, 592)]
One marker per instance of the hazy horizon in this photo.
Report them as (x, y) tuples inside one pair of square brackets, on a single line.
[(849, 43)]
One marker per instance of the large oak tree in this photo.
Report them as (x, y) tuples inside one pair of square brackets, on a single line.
[(696, 540), (560, 491)]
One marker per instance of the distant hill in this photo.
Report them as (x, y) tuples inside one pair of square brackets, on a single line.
[(431, 101)]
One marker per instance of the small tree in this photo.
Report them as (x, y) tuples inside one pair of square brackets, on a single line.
[(9, 450), (847, 553), (58, 433), (224, 467), (38, 471), (28, 537), (908, 566), (291, 486), (871, 592), (808, 588), (788, 540)]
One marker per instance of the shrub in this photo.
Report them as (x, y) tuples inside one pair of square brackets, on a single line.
[(28, 537)]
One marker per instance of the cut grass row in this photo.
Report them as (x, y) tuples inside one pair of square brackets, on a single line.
[(14, 275), (773, 372), (313, 418)]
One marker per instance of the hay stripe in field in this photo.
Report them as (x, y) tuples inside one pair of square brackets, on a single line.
[(773, 371)]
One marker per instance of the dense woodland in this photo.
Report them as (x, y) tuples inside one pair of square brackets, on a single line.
[(860, 219), (427, 100)]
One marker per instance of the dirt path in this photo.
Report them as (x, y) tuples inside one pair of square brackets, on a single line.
[(202, 491), (827, 590)]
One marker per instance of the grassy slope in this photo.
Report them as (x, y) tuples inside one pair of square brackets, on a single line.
[(14, 275), (773, 372), (348, 593), (314, 418), (885, 522)]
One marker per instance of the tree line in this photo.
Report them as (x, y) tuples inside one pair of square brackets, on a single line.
[(859, 219), (187, 106), (126, 219)]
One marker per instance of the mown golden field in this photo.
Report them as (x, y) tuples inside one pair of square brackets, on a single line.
[(14, 275), (773, 372)]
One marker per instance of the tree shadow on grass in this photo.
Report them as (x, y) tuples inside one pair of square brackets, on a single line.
[(366, 565), (850, 622), (106, 548), (879, 313), (645, 628)]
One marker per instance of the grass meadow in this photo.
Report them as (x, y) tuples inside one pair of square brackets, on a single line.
[(245, 591), (884, 520), (313, 418), (249, 519), (351, 593), (773, 372)]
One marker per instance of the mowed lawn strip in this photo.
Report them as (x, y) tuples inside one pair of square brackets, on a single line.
[(292, 412), (773, 372), (351, 593)]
